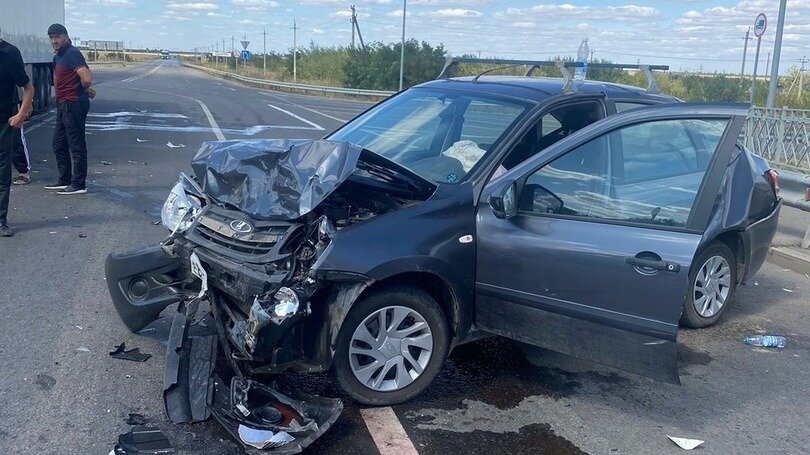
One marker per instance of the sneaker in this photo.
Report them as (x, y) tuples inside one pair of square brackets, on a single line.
[(22, 179), (57, 186), (5, 231), (70, 189)]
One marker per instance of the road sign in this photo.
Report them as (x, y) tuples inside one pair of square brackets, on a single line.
[(760, 24), (245, 55), (245, 44)]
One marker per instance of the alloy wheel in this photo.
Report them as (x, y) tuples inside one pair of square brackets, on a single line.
[(712, 286), (390, 349)]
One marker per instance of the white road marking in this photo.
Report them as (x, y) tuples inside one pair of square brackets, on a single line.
[(214, 125), (135, 114), (321, 113), (48, 119), (313, 124), (135, 78), (249, 131), (387, 432)]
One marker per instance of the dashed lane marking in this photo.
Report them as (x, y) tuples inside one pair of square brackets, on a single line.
[(387, 432), (212, 121), (141, 76), (306, 108), (313, 124)]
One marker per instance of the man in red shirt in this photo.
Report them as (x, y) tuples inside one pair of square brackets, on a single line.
[(72, 80)]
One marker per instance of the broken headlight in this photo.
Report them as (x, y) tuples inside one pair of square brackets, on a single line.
[(179, 209), (286, 304)]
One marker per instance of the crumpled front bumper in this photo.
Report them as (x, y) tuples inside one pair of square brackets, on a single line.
[(142, 283)]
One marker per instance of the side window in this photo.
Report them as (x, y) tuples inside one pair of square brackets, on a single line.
[(485, 122), (622, 106), (554, 126), (647, 173)]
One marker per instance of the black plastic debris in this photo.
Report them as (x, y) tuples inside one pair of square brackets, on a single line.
[(134, 354), (188, 384), (136, 419), (143, 440), (260, 417), (274, 179)]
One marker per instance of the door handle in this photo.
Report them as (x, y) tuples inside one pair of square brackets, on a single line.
[(662, 265)]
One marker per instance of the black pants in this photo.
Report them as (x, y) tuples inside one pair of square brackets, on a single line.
[(69, 144), (6, 144), (19, 155)]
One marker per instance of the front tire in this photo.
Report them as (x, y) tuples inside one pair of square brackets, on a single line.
[(391, 346), (712, 281)]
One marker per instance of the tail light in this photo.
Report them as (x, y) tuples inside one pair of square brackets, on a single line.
[(773, 178)]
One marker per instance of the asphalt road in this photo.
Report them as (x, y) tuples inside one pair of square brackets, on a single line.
[(60, 392)]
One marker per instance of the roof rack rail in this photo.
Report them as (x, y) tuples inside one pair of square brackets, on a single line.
[(563, 66)]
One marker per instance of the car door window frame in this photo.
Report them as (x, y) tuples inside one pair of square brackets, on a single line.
[(701, 207)]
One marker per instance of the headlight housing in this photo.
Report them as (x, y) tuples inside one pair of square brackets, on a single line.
[(179, 209)]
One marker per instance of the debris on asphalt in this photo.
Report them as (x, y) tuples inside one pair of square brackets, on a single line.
[(173, 146), (82, 235), (83, 349), (142, 440), (263, 439), (765, 341), (136, 419), (684, 443), (134, 354), (106, 163), (788, 290), (156, 223), (141, 140)]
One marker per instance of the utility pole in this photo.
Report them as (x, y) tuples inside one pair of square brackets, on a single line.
[(354, 21), (264, 52), (233, 53), (768, 64), (777, 51), (745, 52), (402, 48), (224, 58), (295, 51), (803, 61), (592, 51)]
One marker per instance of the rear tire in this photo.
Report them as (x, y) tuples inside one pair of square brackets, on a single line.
[(712, 281), (398, 367)]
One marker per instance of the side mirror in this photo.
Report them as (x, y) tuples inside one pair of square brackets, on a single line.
[(504, 204), (543, 200)]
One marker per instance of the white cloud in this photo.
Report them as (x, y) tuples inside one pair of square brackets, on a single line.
[(255, 5), (527, 24), (192, 6), (398, 13), (453, 12)]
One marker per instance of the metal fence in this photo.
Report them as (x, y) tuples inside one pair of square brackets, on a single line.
[(782, 136)]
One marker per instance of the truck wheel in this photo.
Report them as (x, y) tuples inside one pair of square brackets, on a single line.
[(391, 346), (712, 280)]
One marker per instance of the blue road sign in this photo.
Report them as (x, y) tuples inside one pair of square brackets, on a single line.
[(245, 55)]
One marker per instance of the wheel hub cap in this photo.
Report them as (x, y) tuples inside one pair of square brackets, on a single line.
[(390, 348), (712, 285)]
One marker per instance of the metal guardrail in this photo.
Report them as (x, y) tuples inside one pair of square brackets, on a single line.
[(306, 88), (782, 136)]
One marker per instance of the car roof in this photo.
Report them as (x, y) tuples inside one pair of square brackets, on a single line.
[(540, 88)]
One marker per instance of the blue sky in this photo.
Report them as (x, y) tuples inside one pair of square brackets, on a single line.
[(686, 34)]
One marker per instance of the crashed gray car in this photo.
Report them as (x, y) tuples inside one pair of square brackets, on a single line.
[(455, 210)]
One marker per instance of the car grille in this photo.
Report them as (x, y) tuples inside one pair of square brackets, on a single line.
[(214, 231)]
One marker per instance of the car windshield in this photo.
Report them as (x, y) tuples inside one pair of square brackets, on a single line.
[(438, 135)]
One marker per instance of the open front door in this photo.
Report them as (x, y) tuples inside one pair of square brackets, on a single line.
[(593, 260)]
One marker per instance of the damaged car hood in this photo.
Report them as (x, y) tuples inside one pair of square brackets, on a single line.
[(285, 179)]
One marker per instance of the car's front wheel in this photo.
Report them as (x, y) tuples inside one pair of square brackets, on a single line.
[(712, 281), (391, 346)]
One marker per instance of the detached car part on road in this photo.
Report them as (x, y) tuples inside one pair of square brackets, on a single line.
[(455, 210)]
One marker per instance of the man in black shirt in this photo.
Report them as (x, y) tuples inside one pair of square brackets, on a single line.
[(12, 75)]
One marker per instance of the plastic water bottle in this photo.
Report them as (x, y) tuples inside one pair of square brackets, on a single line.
[(582, 57), (765, 341)]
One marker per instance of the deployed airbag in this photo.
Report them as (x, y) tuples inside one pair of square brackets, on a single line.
[(273, 179)]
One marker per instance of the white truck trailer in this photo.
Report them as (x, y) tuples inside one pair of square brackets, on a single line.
[(25, 25)]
